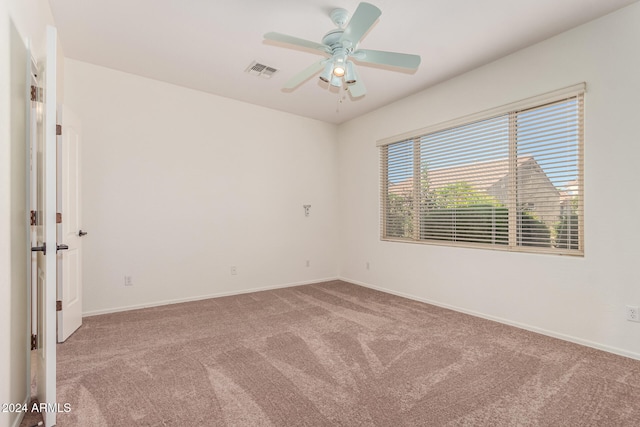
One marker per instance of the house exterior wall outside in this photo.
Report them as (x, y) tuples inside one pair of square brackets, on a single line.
[(536, 193), (580, 299)]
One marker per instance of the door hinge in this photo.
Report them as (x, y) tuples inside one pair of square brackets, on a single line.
[(42, 248), (34, 342), (58, 305), (36, 93), (58, 218), (34, 218), (58, 129)]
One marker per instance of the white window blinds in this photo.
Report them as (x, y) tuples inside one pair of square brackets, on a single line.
[(510, 180)]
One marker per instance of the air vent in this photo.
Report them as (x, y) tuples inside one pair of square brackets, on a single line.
[(257, 69)]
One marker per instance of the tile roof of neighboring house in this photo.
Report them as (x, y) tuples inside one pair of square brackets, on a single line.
[(479, 175)]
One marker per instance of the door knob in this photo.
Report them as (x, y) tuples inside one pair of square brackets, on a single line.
[(82, 233), (61, 247)]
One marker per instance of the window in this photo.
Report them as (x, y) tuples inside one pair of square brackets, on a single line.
[(510, 178)]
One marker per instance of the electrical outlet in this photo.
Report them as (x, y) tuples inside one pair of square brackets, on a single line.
[(368, 266), (234, 270), (308, 263), (128, 281), (632, 313)]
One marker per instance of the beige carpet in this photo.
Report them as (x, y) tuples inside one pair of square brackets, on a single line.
[(333, 354)]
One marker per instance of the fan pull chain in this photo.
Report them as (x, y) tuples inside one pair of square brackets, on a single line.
[(341, 96)]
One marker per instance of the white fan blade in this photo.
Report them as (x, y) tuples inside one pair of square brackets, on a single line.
[(304, 75), (395, 59), (357, 89), (296, 41), (363, 18)]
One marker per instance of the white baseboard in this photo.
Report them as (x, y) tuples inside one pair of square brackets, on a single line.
[(576, 340), (201, 297), (27, 400)]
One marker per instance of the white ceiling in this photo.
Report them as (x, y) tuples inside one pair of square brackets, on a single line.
[(208, 44)]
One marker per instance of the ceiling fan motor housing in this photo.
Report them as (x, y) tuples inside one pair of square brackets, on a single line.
[(332, 37)]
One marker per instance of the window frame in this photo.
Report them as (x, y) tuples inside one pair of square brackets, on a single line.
[(572, 92)]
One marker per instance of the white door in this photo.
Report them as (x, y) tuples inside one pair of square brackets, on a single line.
[(46, 231), (70, 286)]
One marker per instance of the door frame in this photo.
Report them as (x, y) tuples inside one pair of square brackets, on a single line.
[(69, 228), (45, 184), (31, 182)]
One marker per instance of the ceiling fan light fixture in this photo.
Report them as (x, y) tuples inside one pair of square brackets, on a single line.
[(336, 81), (339, 63), (326, 76), (350, 76)]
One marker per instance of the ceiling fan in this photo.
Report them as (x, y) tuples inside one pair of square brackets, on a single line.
[(340, 46)]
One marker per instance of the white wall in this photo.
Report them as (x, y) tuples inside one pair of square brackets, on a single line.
[(19, 20), (6, 286), (180, 185), (580, 299)]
